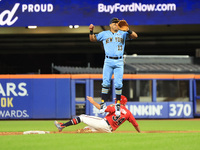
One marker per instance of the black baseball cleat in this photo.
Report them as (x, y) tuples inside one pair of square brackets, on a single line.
[(102, 108), (117, 110)]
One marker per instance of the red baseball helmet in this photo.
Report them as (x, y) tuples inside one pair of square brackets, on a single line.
[(123, 100)]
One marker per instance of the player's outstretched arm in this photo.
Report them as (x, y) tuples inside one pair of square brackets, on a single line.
[(92, 36), (133, 35), (93, 102), (138, 129), (123, 25), (132, 120)]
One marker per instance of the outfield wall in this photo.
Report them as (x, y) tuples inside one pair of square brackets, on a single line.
[(54, 96), (35, 96), (153, 110)]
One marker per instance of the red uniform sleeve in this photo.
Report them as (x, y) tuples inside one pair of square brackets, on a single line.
[(132, 120), (110, 108)]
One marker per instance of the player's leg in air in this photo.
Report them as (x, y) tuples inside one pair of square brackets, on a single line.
[(61, 126), (118, 73), (94, 123), (107, 75), (118, 92), (104, 98)]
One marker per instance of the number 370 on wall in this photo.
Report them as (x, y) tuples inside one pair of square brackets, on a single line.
[(180, 110)]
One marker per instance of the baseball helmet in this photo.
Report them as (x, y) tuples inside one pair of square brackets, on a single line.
[(123, 100)]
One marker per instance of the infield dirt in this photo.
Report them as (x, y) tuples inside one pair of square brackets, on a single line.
[(76, 132)]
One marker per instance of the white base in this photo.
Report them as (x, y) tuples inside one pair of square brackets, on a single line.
[(36, 132)]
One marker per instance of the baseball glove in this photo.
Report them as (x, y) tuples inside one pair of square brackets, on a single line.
[(123, 25)]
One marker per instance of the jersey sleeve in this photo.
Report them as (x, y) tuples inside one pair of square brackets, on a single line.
[(132, 120), (110, 108), (99, 36), (126, 36)]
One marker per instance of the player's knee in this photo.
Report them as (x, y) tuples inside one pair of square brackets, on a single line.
[(105, 85), (82, 117), (118, 86), (76, 120)]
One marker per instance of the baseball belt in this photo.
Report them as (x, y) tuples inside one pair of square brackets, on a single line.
[(114, 57), (108, 124)]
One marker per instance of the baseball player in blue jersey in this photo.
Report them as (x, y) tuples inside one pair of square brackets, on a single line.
[(114, 44)]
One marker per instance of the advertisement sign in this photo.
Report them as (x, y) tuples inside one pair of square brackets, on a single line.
[(22, 13), (15, 98), (181, 110), (149, 110), (34, 98), (155, 110)]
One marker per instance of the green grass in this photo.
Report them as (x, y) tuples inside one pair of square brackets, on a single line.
[(101, 141)]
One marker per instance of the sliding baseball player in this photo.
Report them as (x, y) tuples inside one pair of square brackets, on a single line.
[(108, 124)]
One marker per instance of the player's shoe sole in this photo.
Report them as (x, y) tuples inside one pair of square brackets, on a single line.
[(59, 126), (102, 108), (117, 108)]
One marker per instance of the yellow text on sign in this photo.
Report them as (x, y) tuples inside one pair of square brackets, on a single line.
[(6, 102)]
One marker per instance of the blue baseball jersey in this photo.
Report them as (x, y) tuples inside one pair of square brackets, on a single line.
[(114, 43)]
